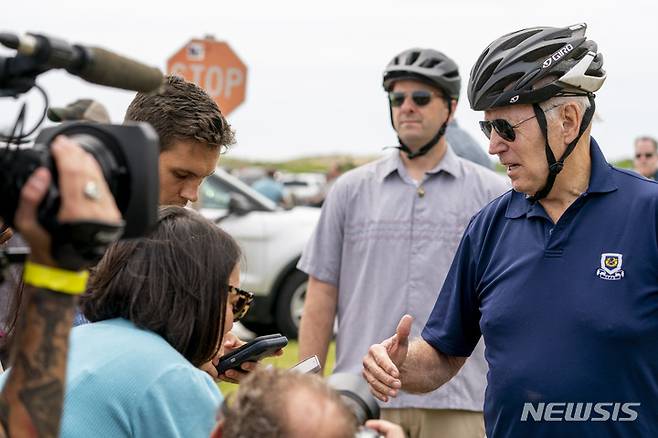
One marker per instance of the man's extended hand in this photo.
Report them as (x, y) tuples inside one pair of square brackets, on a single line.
[(381, 366)]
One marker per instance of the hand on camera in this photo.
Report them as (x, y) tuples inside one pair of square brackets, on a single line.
[(77, 172), (381, 366)]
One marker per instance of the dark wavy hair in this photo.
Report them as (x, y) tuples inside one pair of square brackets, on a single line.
[(173, 282)]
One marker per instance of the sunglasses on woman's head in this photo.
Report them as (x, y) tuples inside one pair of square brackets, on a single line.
[(241, 306), (420, 97), (504, 128)]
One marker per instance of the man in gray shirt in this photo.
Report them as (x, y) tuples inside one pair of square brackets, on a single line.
[(386, 238)]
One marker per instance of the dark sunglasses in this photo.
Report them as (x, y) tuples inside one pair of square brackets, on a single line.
[(241, 306), (504, 128), (420, 97), (645, 155)]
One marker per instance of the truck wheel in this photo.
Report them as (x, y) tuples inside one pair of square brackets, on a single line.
[(290, 303), (259, 328)]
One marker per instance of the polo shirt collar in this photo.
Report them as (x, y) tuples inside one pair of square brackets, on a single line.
[(600, 181), (449, 164)]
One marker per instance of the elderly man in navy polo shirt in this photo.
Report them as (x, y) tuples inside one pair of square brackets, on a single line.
[(560, 275)]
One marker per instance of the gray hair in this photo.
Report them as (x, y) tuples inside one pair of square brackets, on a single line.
[(551, 116), (553, 102), (649, 139)]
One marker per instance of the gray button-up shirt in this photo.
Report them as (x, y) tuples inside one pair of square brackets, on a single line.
[(387, 242)]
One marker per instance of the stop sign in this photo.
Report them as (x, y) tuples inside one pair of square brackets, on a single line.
[(213, 66)]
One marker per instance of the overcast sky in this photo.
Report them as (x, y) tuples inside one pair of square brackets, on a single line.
[(314, 79)]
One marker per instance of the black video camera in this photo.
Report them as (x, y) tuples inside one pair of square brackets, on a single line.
[(126, 154), (355, 394)]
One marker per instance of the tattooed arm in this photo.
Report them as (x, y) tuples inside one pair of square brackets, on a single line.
[(32, 399)]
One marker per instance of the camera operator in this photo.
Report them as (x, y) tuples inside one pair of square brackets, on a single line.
[(276, 403), (31, 401), (193, 132), (11, 290)]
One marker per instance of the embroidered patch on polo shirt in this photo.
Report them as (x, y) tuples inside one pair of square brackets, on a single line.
[(610, 266)]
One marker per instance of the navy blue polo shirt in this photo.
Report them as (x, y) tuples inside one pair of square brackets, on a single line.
[(568, 311)]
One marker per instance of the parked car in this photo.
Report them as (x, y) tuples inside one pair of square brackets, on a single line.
[(304, 187), (272, 239)]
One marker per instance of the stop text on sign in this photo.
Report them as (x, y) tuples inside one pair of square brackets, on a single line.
[(217, 81)]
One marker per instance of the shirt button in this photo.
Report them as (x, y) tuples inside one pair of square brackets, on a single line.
[(421, 192)]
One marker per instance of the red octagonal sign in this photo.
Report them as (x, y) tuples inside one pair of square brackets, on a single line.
[(213, 66)]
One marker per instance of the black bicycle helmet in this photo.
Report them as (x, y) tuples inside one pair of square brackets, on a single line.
[(509, 69), (533, 65), (425, 65), (431, 67)]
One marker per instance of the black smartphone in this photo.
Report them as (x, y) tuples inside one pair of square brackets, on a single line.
[(252, 351)]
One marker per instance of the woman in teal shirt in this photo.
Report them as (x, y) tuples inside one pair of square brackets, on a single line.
[(159, 307)]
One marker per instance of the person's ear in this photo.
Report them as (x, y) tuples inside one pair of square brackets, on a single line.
[(571, 118)]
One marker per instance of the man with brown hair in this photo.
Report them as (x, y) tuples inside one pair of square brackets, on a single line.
[(193, 132)]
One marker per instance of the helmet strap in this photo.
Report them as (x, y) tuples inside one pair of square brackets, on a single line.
[(556, 166), (430, 144)]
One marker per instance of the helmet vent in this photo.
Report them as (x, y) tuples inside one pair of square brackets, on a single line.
[(479, 61), (451, 74), (486, 75), (500, 86), (518, 39), (430, 63), (413, 56), (579, 52), (541, 52), (567, 33)]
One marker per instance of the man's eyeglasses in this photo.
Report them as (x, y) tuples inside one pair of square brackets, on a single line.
[(241, 305), (420, 97), (645, 155), (504, 128)]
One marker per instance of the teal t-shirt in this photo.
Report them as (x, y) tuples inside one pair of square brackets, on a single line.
[(123, 381)]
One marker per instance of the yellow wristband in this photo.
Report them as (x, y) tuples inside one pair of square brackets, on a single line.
[(58, 280)]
